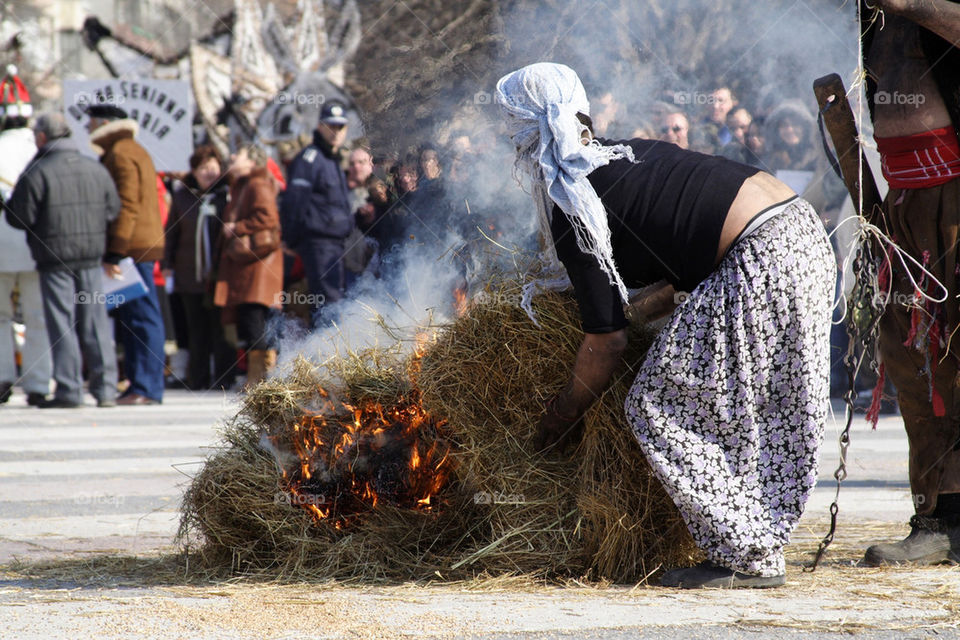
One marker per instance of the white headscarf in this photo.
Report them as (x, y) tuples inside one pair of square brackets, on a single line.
[(540, 103)]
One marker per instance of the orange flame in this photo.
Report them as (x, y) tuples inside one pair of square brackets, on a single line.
[(356, 457), (460, 301)]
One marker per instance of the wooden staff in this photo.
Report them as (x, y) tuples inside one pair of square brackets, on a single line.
[(838, 118)]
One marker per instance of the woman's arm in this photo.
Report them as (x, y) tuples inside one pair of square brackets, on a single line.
[(597, 358)]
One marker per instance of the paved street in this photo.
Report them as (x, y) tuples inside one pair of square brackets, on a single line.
[(81, 488), (99, 479)]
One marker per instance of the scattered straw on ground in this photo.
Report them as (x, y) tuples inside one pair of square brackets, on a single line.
[(838, 597)]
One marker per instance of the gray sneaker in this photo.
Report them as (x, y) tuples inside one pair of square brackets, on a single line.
[(931, 541), (708, 575)]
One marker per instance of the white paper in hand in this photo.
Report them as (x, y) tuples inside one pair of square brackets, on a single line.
[(128, 286)]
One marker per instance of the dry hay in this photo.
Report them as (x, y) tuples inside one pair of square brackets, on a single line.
[(596, 513), (236, 507)]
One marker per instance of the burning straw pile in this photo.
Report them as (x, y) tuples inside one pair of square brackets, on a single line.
[(422, 469)]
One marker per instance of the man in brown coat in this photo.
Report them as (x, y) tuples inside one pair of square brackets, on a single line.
[(136, 233)]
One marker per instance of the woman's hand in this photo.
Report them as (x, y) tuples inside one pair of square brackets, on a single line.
[(556, 430), (229, 229)]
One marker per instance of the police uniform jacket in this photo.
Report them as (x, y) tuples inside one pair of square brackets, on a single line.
[(316, 203)]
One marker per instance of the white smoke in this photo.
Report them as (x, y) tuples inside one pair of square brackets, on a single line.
[(641, 53), (414, 293)]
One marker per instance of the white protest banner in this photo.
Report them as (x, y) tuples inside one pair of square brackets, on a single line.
[(162, 108)]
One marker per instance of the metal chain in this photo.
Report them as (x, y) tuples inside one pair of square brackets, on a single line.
[(866, 304)]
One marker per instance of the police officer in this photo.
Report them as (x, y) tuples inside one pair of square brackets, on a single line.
[(315, 212)]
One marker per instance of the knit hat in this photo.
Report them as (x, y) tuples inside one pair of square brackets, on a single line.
[(14, 98)]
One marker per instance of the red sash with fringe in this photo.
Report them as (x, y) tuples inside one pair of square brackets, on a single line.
[(921, 160)]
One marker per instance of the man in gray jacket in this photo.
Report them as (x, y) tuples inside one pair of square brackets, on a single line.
[(64, 202)]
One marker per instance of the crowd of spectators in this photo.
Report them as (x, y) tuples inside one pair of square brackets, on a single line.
[(226, 247), (777, 136)]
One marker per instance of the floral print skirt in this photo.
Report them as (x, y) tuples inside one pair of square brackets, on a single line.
[(729, 405)]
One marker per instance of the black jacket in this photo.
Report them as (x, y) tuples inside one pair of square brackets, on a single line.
[(187, 240), (316, 203), (64, 201)]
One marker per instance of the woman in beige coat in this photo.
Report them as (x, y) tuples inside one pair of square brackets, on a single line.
[(248, 290)]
